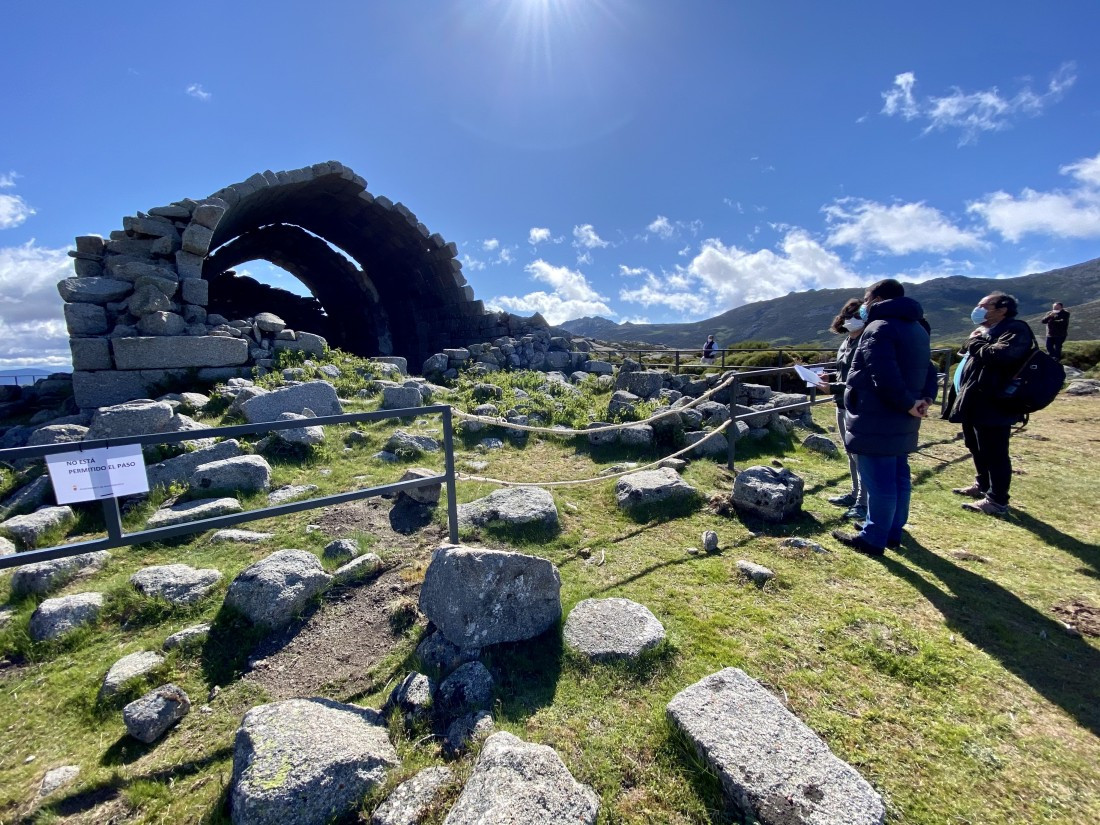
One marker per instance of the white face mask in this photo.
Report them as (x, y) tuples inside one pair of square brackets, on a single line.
[(853, 325)]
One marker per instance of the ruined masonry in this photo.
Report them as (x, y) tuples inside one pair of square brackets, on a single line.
[(158, 301)]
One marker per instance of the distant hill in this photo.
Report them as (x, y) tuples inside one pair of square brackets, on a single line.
[(804, 317)]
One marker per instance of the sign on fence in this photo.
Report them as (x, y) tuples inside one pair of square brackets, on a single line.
[(88, 475)]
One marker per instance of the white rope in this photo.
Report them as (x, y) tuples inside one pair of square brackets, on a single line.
[(565, 431), (578, 481)]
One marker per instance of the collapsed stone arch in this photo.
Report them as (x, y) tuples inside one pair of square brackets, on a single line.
[(137, 310)]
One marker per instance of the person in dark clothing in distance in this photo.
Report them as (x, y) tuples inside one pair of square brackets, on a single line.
[(991, 356), (891, 384), (847, 323), (1057, 324), (708, 350)]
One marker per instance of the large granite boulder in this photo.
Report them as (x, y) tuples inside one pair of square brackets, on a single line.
[(29, 530), (44, 577), (56, 617), (402, 443), (821, 444), (511, 506), (318, 396), (148, 718), (243, 474), (411, 800), (708, 444), (57, 434), (193, 511), (299, 436), (642, 383), (770, 764), (177, 584), (609, 629), (179, 469), (521, 782), (193, 635), (773, 494), (127, 669), (306, 761), (480, 597), (399, 398), (132, 418), (274, 590), (649, 487)]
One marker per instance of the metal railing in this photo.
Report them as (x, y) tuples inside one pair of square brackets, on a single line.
[(117, 537)]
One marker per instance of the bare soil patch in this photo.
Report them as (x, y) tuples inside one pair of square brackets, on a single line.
[(1084, 617)]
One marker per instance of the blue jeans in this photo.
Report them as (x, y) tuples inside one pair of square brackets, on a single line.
[(886, 479)]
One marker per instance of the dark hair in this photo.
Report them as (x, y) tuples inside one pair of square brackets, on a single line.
[(886, 288), (849, 310), (1006, 301)]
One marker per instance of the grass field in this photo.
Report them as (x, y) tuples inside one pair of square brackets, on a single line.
[(940, 672)]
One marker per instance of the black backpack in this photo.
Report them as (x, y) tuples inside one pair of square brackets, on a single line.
[(1035, 384)]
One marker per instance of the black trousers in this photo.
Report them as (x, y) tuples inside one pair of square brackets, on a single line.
[(1054, 347), (988, 446)]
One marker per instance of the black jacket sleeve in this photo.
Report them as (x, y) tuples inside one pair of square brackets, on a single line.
[(1011, 346), (882, 363)]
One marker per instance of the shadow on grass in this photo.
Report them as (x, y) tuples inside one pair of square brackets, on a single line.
[(526, 673), (407, 516), (1088, 553), (678, 749), (653, 568), (1028, 643), (662, 511), (227, 648)]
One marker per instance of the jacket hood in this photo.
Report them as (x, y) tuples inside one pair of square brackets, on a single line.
[(903, 309)]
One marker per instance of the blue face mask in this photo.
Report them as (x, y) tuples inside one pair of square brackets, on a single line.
[(977, 315), (863, 312)]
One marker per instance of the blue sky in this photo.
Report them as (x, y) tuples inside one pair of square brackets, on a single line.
[(639, 160)]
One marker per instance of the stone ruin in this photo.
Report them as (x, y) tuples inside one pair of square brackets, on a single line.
[(158, 302)]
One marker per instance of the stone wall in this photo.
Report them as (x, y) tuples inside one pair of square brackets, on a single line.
[(136, 308)]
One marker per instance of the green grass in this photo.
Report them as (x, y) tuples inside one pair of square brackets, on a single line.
[(947, 682)]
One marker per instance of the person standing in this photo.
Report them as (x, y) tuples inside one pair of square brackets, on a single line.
[(847, 323), (991, 356), (708, 350), (1057, 323), (891, 383)]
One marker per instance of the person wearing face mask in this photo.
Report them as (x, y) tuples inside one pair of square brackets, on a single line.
[(847, 323), (891, 383), (991, 356)]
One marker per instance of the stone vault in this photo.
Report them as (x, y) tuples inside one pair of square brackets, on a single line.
[(142, 309)]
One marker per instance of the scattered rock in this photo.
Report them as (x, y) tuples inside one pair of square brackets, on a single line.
[(180, 468), (58, 778), (520, 782), (412, 798), (821, 444), (243, 536), (469, 688), (341, 549), (759, 574), (1086, 386), (437, 652), (513, 506), (134, 666), (131, 418), (193, 511), (177, 584), (798, 543), (245, 474), (412, 697), (318, 396), (289, 492), (402, 443), (480, 597), (610, 629), (357, 569), (771, 766), (148, 718), (428, 494), (188, 636), (677, 464), (464, 730), (30, 529), (299, 436), (772, 494), (46, 576), (274, 590), (306, 761), (640, 490), (710, 541), (56, 617)]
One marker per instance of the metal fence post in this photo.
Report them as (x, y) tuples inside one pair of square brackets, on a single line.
[(676, 370), (449, 471), (731, 433), (723, 359), (113, 517), (779, 377)]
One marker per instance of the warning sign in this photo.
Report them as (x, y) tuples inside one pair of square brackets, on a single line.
[(108, 472)]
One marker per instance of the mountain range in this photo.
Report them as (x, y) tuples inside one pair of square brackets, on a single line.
[(803, 318)]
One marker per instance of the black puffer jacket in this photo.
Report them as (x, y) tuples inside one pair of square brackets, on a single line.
[(992, 359), (891, 372)]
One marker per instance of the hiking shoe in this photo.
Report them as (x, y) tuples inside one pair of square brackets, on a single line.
[(846, 500), (891, 544), (987, 506), (857, 512), (973, 491), (858, 543)]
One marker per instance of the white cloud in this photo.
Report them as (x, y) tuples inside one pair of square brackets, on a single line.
[(897, 229), (32, 326), (721, 277), (631, 271), (661, 227), (635, 319), (13, 209), (472, 264), (572, 296), (585, 236), (539, 234), (196, 91), (505, 255), (490, 244), (1071, 213), (8, 181), (973, 112)]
